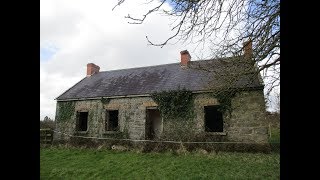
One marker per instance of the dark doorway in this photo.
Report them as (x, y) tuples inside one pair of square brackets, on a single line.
[(82, 121), (213, 119), (112, 120), (153, 124)]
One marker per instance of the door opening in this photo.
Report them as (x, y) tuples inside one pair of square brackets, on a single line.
[(153, 124), (213, 119)]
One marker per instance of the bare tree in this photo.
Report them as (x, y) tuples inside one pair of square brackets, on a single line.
[(277, 102), (47, 123), (226, 24)]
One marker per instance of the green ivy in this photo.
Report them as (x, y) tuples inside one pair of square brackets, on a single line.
[(125, 133), (66, 110), (225, 97), (175, 104), (90, 114), (105, 100)]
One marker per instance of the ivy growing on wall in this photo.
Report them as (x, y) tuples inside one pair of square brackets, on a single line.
[(225, 97), (66, 110), (105, 100), (175, 104)]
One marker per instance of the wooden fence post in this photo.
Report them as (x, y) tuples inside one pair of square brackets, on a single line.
[(46, 136)]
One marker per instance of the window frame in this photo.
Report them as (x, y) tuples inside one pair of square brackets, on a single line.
[(223, 132), (78, 121), (107, 121)]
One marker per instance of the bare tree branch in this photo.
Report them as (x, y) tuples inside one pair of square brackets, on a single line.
[(226, 24), (139, 20)]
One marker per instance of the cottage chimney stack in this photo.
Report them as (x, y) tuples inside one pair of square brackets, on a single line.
[(185, 58), (247, 47), (92, 69)]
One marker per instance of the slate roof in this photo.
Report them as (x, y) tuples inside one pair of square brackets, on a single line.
[(146, 80)]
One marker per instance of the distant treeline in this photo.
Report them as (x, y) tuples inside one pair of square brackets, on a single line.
[(47, 123)]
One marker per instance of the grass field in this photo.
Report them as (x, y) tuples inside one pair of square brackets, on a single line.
[(275, 135), (63, 163)]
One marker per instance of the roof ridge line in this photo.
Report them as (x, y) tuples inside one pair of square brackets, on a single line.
[(154, 65), (138, 67)]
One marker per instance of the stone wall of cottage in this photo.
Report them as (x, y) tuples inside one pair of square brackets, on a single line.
[(248, 119), (246, 123)]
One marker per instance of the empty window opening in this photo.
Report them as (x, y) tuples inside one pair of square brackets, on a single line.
[(213, 119), (82, 121), (112, 120), (153, 124)]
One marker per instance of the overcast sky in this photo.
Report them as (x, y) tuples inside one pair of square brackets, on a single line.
[(74, 33)]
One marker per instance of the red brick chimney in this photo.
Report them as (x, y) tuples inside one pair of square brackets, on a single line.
[(247, 47), (92, 68), (185, 58)]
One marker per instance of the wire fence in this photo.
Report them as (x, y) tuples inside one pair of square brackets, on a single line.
[(157, 141), (46, 137)]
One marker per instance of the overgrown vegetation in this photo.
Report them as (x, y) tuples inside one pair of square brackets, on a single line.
[(175, 104), (47, 123), (177, 110), (274, 129), (66, 110), (125, 132), (224, 97), (274, 135), (72, 163), (225, 25), (274, 139), (179, 131), (105, 100)]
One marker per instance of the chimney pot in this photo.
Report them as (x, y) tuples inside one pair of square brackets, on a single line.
[(92, 68), (185, 58)]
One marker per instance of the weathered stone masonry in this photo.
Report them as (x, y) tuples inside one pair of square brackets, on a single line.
[(247, 121)]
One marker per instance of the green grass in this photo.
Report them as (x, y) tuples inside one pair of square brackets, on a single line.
[(275, 135), (62, 163)]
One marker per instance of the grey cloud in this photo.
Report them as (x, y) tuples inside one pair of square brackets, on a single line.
[(80, 42), (59, 27)]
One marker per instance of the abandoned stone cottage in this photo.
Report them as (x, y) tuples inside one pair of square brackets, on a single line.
[(109, 103)]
